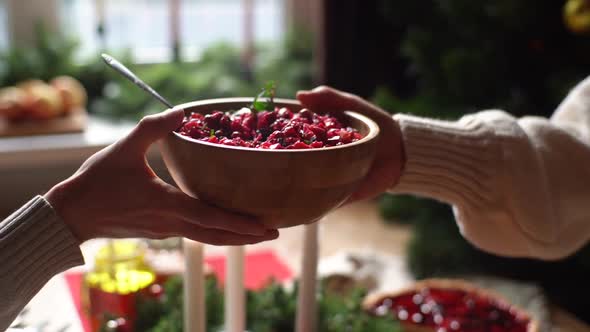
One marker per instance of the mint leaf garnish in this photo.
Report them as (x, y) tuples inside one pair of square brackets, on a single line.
[(267, 93)]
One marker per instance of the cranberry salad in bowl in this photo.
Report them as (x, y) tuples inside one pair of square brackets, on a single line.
[(270, 157)]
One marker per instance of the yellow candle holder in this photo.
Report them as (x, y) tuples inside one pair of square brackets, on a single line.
[(120, 271)]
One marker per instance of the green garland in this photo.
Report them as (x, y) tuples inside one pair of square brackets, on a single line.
[(271, 309), (219, 72)]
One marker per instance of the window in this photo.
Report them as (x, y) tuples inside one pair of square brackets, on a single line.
[(143, 26), (3, 27)]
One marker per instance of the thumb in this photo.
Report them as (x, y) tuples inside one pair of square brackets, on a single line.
[(327, 98), (154, 127)]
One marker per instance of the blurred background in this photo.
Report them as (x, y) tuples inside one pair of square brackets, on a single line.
[(436, 58)]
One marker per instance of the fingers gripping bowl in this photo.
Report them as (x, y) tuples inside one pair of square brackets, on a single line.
[(285, 187)]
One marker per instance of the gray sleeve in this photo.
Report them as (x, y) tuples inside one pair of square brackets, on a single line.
[(35, 245)]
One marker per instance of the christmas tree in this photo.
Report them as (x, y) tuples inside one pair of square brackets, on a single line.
[(462, 56)]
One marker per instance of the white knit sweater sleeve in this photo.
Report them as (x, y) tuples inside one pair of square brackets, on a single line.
[(35, 245), (519, 187)]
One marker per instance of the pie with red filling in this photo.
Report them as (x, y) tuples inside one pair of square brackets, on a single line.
[(445, 305)]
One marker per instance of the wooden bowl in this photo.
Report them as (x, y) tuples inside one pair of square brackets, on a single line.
[(283, 187)]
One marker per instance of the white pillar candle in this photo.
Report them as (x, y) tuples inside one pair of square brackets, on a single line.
[(235, 313), (194, 287), (306, 298)]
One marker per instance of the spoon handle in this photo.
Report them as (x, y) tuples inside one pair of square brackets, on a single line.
[(133, 78)]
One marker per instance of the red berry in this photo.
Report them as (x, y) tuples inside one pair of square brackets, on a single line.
[(249, 122), (319, 132), (290, 140), (236, 125), (225, 122), (317, 145), (332, 141), (330, 123), (265, 119), (333, 132), (305, 113), (285, 113), (290, 131), (212, 120), (299, 145), (269, 130)]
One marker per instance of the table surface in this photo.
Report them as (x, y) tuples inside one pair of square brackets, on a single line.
[(357, 226), (38, 150)]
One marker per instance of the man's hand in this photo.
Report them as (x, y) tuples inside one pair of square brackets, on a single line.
[(116, 194), (389, 161)]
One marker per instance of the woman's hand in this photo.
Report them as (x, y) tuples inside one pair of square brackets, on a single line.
[(389, 161), (116, 194)]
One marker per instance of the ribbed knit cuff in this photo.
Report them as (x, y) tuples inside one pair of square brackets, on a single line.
[(448, 161), (35, 245)]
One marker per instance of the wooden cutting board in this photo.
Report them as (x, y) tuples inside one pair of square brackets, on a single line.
[(74, 122)]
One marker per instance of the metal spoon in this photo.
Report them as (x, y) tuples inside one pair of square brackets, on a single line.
[(133, 78)]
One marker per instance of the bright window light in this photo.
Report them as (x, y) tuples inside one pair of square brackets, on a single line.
[(143, 26)]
